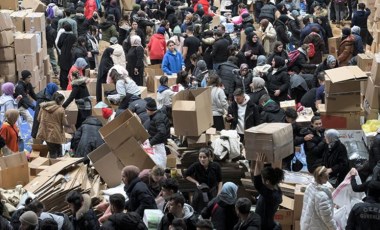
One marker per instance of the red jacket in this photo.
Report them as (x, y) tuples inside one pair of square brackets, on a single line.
[(70, 76), (89, 8), (157, 47), (206, 6)]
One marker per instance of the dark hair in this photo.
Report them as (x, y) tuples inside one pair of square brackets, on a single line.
[(306, 20), (239, 92), (111, 17), (218, 33), (115, 76), (264, 98), (231, 50), (276, 45), (315, 118), (243, 204), (208, 152), (92, 28), (118, 201), (48, 224), (190, 29), (242, 6), (178, 224), (222, 27), (164, 80), (181, 78), (233, 59), (274, 175), (170, 184), (48, 20), (67, 12), (195, 57), (214, 80), (81, 39), (291, 113), (75, 198), (79, 10), (58, 98), (170, 42), (361, 6), (177, 198), (67, 26), (34, 205), (278, 61), (321, 76)]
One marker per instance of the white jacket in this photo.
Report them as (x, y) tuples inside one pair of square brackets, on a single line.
[(318, 208), (219, 104)]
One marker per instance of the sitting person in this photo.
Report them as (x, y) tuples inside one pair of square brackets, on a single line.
[(153, 178), (271, 110)]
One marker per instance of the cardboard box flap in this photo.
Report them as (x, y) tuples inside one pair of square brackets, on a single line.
[(268, 128), (346, 73), (12, 161), (59, 166), (287, 202), (184, 105)]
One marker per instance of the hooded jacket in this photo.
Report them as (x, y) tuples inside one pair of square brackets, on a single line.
[(79, 91), (219, 50), (62, 220), (314, 148), (108, 30), (252, 117), (360, 18), (52, 119), (172, 63), (140, 197), (228, 79), (336, 158), (164, 96), (189, 218), (65, 44), (272, 113), (253, 222), (242, 82), (282, 31), (118, 55), (85, 218), (6, 102), (157, 47), (159, 128)]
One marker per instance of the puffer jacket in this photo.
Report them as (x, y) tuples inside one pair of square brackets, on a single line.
[(267, 12), (159, 128), (278, 80), (42, 96), (157, 47), (138, 107), (363, 216), (118, 55), (346, 50), (87, 137), (52, 119), (242, 82), (318, 208), (314, 148), (282, 32), (228, 79), (218, 101), (272, 113), (108, 31)]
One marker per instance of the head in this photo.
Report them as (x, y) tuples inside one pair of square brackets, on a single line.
[(201, 64), (221, 28), (111, 18), (95, 15), (157, 173), (11, 116), (67, 27), (171, 45), (176, 203), (244, 69), (117, 203), (346, 32), (264, 23), (261, 60), (129, 173), (113, 40), (28, 220), (188, 18), (74, 200), (239, 96), (361, 6), (229, 189), (169, 187), (67, 12), (48, 224), (291, 115), (151, 106), (214, 80), (177, 31), (272, 176), (278, 47), (135, 40), (26, 76), (321, 78), (205, 156), (204, 225), (284, 18), (331, 61), (316, 122), (135, 25), (264, 99), (243, 206), (374, 190), (234, 60), (93, 30), (164, 80), (81, 63), (178, 224), (258, 83), (306, 20), (320, 175), (182, 77), (58, 98), (115, 76), (241, 7), (278, 62), (35, 206), (190, 30), (51, 88), (218, 34), (306, 48), (8, 88), (331, 136)]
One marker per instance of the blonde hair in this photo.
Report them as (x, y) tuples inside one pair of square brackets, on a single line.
[(318, 174)]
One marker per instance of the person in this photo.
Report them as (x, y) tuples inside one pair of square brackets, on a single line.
[(261, 68), (168, 188), (65, 44), (10, 132), (339, 6), (164, 94), (258, 89), (87, 137), (360, 19), (177, 38), (242, 113), (48, 224), (320, 93), (346, 47), (307, 29), (318, 43), (83, 217), (268, 11), (140, 198), (7, 101), (297, 86), (135, 60), (108, 28), (278, 50), (243, 78), (79, 65), (116, 205), (52, 119), (92, 41), (153, 178), (335, 157), (191, 46), (269, 35), (301, 63), (79, 49), (247, 220), (81, 95), (314, 144), (118, 54), (221, 209), (219, 52), (51, 35), (280, 26), (28, 220), (224, 71), (68, 20), (277, 80), (329, 63), (173, 61), (182, 82), (178, 209), (266, 182), (118, 75), (271, 111), (219, 104), (137, 105), (204, 174), (157, 46), (318, 206), (294, 26), (113, 9), (252, 49), (106, 63), (130, 220), (359, 45)]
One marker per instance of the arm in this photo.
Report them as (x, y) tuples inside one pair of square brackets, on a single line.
[(166, 66), (114, 32), (184, 52), (356, 187), (189, 173), (285, 83), (342, 161), (222, 99), (344, 55), (31, 92), (120, 88), (72, 96), (325, 210)]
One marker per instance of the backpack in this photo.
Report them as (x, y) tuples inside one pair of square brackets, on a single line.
[(293, 55), (50, 11), (311, 50)]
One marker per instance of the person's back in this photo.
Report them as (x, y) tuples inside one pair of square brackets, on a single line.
[(228, 78), (272, 113), (268, 12)]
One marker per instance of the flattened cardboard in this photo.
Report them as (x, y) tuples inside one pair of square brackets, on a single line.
[(6, 38), (59, 166), (18, 19), (39, 150), (5, 20), (192, 113), (372, 95), (26, 43), (8, 68), (7, 54), (14, 170), (35, 22), (272, 139)]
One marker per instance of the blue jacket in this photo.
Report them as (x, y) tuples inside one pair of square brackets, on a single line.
[(359, 48), (360, 18), (172, 63), (307, 30)]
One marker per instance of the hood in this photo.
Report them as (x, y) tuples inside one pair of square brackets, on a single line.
[(85, 207), (246, 100), (5, 98), (105, 25), (188, 210), (117, 50), (79, 81), (271, 106), (208, 41), (92, 121), (162, 88), (50, 106), (80, 18)]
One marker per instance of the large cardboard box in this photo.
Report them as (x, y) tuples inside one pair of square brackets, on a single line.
[(285, 213), (106, 88), (5, 21), (365, 61), (71, 110), (35, 5), (345, 120), (91, 86), (40, 164), (344, 80), (151, 72), (333, 44), (172, 80), (26, 43), (143, 92), (192, 113), (8, 68), (18, 19), (6, 38), (375, 70), (14, 170), (372, 95), (369, 113), (9, 4), (35, 22), (343, 103), (272, 139), (7, 54), (26, 61)]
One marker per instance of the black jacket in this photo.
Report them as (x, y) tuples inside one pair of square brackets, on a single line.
[(255, 48), (255, 96), (219, 50), (360, 18), (251, 119), (79, 91), (253, 222), (222, 212), (124, 221), (159, 128), (51, 35), (314, 148), (65, 44), (138, 107), (363, 216), (374, 153), (283, 54), (42, 96), (115, 11), (267, 12), (282, 32), (25, 90), (336, 158), (81, 25), (79, 51), (279, 80), (87, 138), (228, 78), (140, 198), (301, 65), (272, 113), (242, 83)]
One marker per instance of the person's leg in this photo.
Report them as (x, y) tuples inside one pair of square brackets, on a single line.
[(55, 150), (24, 113), (218, 123), (332, 12), (63, 80), (53, 60), (337, 13), (349, 3)]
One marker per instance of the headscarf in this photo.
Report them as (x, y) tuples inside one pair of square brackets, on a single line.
[(106, 63), (283, 18), (11, 116), (330, 59), (51, 88), (243, 66), (332, 135), (355, 30), (131, 172), (261, 60), (258, 83), (135, 40), (8, 88), (228, 193), (80, 63)]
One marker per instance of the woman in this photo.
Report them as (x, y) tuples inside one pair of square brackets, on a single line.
[(10, 132), (105, 65), (335, 157), (219, 104), (277, 80), (79, 65), (81, 95), (52, 119), (92, 47), (258, 90), (182, 82), (208, 41), (177, 38), (187, 22), (173, 61), (252, 49), (43, 96), (281, 29), (7, 101), (135, 60), (221, 209), (301, 64), (153, 178), (318, 206), (262, 67), (79, 49), (124, 84), (242, 9), (269, 35), (140, 198), (329, 63), (243, 79), (346, 47), (278, 50), (207, 176), (266, 182), (164, 93), (157, 47), (319, 45)]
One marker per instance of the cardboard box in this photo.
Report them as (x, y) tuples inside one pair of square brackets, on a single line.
[(375, 70), (36, 5), (26, 61), (18, 19), (297, 225), (6, 38), (365, 61), (272, 139), (91, 86), (288, 104), (171, 161), (151, 72), (9, 4), (71, 110), (38, 150), (10, 78), (191, 111), (120, 129), (198, 142), (299, 193), (5, 20), (97, 112), (363, 87), (284, 215), (348, 120), (40, 164), (143, 92), (127, 4), (7, 54), (172, 80), (14, 170), (333, 44), (8, 68), (35, 22), (372, 95), (35, 76), (369, 113), (40, 59), (343, 103), (47, 66), (344, 80), (26, 44)]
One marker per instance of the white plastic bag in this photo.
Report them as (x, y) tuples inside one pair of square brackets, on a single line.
[(157, 153), (343, 194)]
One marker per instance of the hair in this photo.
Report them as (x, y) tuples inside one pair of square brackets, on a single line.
[(318, 174), (321, 76), (131, 172), (273, 175), (75, 198), (170, 42), (239, 92), (170, 184), (190, 29), (214, 80), (204, 224), (178, 224), (219, 34), (81, 39), (48, 224), (231, 50), (158, 171), (208, 152), (264, 98), (315, 118), (48, 21), (118, 201), (243, 205), (291, 113), (110, 17), (67, 26), (178, 199), (305, 47), (195, 57), (164, 80), (92, 28), (361, 6), (276, 45), (181, 77), (34, 205), (222, 27), (306, 20), (58, 98), (314, 29), (242, 6), (67, 12), (115, 76)]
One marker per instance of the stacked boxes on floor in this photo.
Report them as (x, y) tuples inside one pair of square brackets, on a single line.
[(371, 103), (7, 51)]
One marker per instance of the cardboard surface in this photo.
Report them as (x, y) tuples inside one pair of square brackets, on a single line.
[(372, 95), (56, 168), (152, 71), (36, 5), (333, 44), (26, 61), (344, 80), (14, 170), (91, 86), (365, 61), (9, 4), (192, 113), (5, 20), (172, 79), (288, 104), (272, 139), (35, 22), (7, 54), (285, 214), (375, 70), (6, 38), (348, 120), (8, 68), (343, 103), (298, 201), (71, 110), (143, 92), (26, 44), (18, 19)]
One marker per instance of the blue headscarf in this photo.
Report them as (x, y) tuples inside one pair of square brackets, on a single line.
[(228, 193), (51, 88)]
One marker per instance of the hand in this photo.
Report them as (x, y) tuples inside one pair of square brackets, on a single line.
[(19, 97), (260, 157), (229, 117), (89, 54), (136, 71), (277, 93), (247, 53), (308, 137), (353, 172), (183, 68), (254, 57), (329, 170), (198, 185)]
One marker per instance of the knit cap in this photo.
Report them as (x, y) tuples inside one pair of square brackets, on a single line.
[(8, 88), (29, 218), (25, 74)]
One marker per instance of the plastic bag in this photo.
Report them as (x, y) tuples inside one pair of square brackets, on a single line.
[(156, 152), (343, 194)]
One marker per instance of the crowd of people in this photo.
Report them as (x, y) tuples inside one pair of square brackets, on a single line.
[(283, 57)]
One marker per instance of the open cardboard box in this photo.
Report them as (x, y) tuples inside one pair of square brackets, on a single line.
[(285, 213), (288, 104), (344, 80), (71, 110), (40, 164), (38, 150), (14, 170)]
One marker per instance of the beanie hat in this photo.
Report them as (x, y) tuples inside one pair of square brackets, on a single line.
[(29, 218), (161, 30), (177, 30), (202, 65), (151, 104), (25, 74), (106, 113), (113, 40), (8, 88)]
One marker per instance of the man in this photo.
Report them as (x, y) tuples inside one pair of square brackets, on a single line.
[(222, 29), (242, 113), (51, 35), (117, 203), (314, 137), (68, 19), (25, 89), (159, 127), (247, 219), (360, 19), (225, 73), (168, 188), (28, 220), (307, 29), (130, 220), (271, 110), (178, 209), (191, 46), (219, 51)]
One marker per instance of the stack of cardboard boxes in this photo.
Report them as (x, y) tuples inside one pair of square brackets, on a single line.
[(371, 104), (7, 51), (9, 4)]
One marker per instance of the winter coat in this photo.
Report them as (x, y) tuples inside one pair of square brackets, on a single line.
[(319, 46), (295, 28), (360, 18), (118, 55), (7, 102), (122, 220), (278, 80), (25, 90), (10, 134), (221, 209), (91, 7), (374, 153), (272, 113), (79, 51), (159, 128), (252, 117), (4, 223), (115, 11), (239, 20), (346, 50), (85, 218), (164, 96), (253, 222), (87, 137), (219, 50), (81, 25), (108, 31), (267, 12), (227, 77), (242, 83), (359, 47), (70, 75), (256, 49), (140, 198), (283, 54), (219, 103), (307, 30), (268, 38), (256, 95), (282, 32), (336, 158), (172, 63), (157, 47), (65, 43), (51, 35), (301, 64), (62, 220), (71, 21), (52, 119), (363, 216), (318, 208), (207, 48), (314, 148), (135, 59), (189, 218)]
